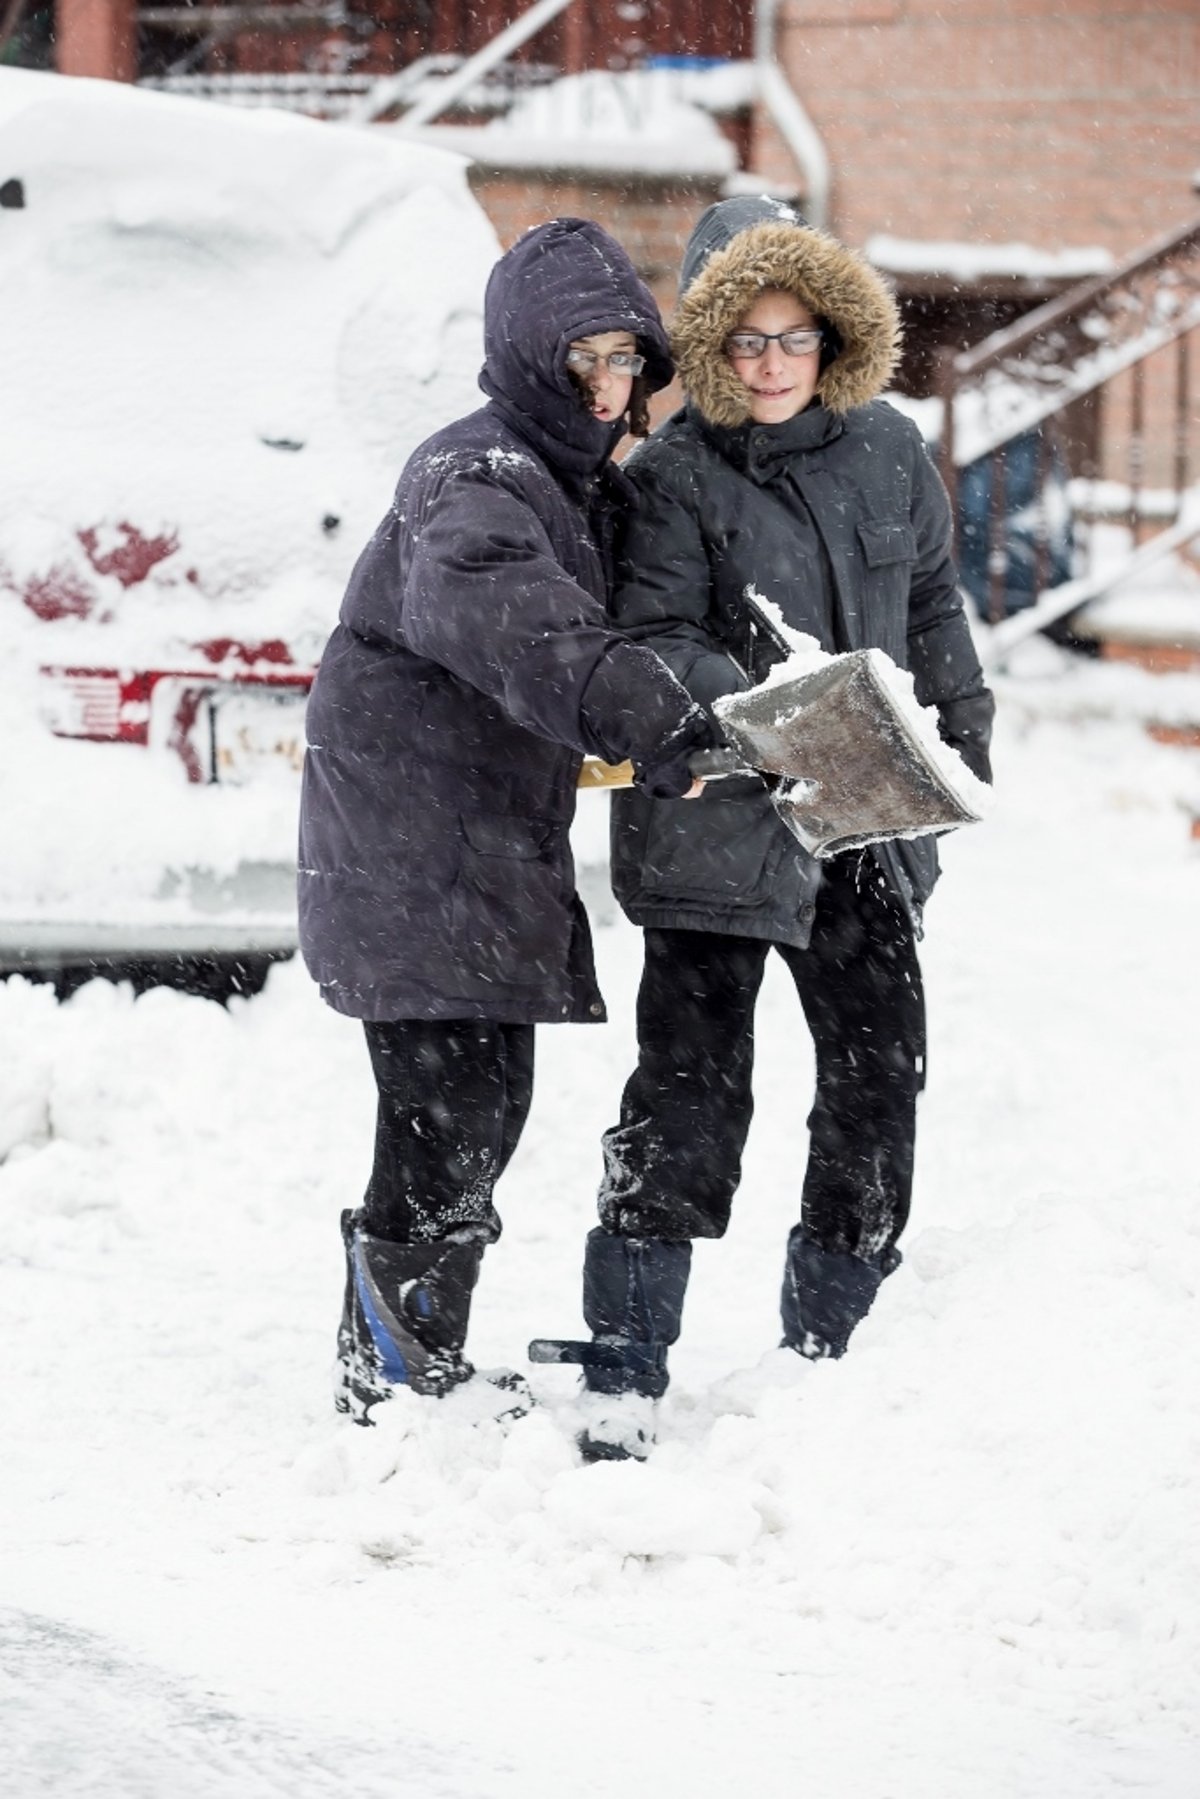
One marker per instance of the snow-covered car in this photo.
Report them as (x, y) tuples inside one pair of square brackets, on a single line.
[(225, 331)]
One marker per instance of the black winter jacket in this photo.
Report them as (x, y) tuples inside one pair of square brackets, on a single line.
[(472, 668), (839, 518)]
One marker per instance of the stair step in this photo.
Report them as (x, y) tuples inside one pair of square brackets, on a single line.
[(1184, 736), (1157, 658)]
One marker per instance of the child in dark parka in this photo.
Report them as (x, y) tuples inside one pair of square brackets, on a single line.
[(472, 668)]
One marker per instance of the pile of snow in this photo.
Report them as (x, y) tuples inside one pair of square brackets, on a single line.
[(1158, 602), (964, 1560), (647, 121), (926, 414), (245, 323), (979, 261), (1118, 500)]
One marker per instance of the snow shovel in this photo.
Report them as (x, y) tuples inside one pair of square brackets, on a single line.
[(844, 765)]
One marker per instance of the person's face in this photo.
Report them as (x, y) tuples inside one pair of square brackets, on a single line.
[(779, 385), (605, 389)]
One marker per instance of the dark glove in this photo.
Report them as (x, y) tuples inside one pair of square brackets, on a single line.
[(966, 725), (667, 776), (977, 760)]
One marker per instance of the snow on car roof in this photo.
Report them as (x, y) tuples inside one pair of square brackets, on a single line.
[(233, 328)]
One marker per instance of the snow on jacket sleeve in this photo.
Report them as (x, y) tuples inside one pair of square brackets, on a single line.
[(487, 598), (941, 654)]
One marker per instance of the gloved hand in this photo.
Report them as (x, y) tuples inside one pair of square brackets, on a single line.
[(667, 776), (966, 725), (976, 759)]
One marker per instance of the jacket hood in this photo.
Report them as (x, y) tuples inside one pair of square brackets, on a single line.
[(740, 247), (562, 281)]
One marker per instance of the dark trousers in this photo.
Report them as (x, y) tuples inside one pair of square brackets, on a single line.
[(673, 1162), (453, 1100)]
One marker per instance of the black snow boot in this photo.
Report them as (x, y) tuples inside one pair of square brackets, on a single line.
[(826, 1293), (633, 1290), (404, 1319)]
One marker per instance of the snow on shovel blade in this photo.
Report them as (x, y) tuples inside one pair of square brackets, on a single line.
[(855, 772)]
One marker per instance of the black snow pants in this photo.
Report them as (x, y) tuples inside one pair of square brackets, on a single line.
[(673, 1162), (453, 1100)]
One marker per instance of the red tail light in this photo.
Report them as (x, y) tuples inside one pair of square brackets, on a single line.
[(175, 708), (102, 704)]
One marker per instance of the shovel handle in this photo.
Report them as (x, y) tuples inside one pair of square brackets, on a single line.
[(595, 773), (706, 765)]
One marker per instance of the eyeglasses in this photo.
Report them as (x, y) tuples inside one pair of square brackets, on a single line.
[(619, 362), (745, 345)]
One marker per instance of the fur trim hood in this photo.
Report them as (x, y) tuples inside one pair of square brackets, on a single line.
[(832, 281)]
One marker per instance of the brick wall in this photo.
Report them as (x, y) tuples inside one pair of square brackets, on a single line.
[(1057, 123), (1064, 123), (651, 217)]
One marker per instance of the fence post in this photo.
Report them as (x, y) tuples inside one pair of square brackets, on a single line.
[(945, 378)]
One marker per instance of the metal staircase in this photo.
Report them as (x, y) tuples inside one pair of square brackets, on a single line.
[(1074, 373)]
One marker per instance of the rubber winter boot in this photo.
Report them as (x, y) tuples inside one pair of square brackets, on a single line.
[(633, 1290), (826, 1293), (404, 1321)]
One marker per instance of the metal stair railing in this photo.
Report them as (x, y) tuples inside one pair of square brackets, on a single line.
[(1026, 377)]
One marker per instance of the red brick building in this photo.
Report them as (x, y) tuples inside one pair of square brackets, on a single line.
[(995, 120), (1001, 147), (969, 120)]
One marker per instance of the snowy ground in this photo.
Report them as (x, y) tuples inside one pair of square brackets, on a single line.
[(965, 1561)]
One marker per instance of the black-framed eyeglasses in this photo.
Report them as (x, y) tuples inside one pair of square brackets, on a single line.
[(617, 362), (745, 345)]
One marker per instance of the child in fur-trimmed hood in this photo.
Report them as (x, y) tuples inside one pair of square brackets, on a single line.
[(785, 476)]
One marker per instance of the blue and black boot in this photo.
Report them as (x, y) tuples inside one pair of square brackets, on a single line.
[(404, 1320), (633, 1292), (826, 1293)]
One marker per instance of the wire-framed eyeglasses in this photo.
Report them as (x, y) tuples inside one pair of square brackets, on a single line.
[(617, 362), (743, 346)]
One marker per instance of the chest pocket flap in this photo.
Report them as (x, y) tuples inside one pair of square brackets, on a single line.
[(890, 540)]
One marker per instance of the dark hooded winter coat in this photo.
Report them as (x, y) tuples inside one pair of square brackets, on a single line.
[(837, 516), (472, 668)]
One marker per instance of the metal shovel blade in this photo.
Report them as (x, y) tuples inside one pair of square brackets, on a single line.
[(855, 772)]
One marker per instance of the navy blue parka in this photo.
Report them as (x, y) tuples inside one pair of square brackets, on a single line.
[(472, 668)]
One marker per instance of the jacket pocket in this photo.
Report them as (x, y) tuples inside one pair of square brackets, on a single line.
[(720, 851), (889, 548), (885, 541), (509, 908)]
